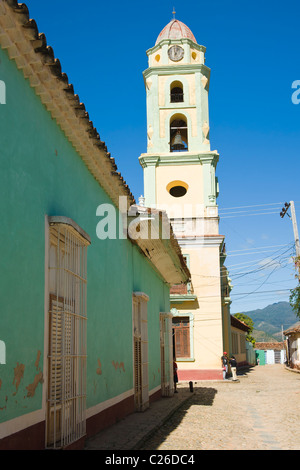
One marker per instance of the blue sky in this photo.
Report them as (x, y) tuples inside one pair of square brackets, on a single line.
[(253, 53)]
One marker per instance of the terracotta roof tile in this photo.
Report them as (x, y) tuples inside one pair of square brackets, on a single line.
[(47, 58), (175, 29), (269, 345)]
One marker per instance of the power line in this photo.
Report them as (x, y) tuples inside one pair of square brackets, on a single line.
[(259, 247), (255, 205), (261, 262), (242, 273), (253, 253), (261, 268), (246, 215)]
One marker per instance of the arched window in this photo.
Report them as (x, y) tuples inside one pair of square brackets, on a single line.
[(176, 92), (178, 134)]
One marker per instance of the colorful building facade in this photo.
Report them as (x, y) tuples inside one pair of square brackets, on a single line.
[(85, 333)]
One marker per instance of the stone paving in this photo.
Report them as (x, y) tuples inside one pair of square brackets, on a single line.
[(261, 411)]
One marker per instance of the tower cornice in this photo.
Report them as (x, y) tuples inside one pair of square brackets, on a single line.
[(186, 158), (175, 41), (180, 69)]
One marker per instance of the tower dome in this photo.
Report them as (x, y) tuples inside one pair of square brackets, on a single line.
[(175, 30)]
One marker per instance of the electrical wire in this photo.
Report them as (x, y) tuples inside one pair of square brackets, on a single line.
[(255, 205)]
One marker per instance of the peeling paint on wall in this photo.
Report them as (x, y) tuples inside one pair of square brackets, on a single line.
[(38, 357), (32, 387), (18, 375), (118, 365), (99, 369)]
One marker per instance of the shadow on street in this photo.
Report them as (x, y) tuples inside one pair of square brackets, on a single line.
[(203, 396)]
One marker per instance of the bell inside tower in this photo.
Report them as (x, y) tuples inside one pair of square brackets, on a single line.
[(178, 135)]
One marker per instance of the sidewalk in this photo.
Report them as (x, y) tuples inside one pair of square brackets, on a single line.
[(132, 431)]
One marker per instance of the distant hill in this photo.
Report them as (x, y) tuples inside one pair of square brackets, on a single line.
[(269, 321)]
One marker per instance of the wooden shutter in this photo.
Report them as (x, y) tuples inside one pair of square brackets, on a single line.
[(55, 370), (182, 336)]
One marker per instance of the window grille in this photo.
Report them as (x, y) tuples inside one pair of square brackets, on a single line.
[(67, 352), (140, 345)]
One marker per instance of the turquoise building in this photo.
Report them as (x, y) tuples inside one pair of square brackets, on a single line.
[(85, 329)]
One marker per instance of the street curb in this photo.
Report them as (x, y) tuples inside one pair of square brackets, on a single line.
[(289, 369)]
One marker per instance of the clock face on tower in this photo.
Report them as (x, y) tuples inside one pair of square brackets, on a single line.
[(176, 53)]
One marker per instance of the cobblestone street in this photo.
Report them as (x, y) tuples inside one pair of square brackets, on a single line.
[(259, 412)]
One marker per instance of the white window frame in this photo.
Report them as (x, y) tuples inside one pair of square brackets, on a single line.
[(177, 313), (67, 319), (166, 354)]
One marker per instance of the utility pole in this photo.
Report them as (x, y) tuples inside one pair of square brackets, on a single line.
[(294, 221), (295, 228)]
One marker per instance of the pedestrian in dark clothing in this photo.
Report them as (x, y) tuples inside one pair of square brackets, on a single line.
[(233, 365), (224, 360), (175, 368)]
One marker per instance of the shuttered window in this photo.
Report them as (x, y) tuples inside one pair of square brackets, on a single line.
[(181, 326), (235, 343), (140, 349), (66, 396), (277, 356)]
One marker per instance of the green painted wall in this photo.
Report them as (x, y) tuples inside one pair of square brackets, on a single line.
[(41, 174), (260, 356)]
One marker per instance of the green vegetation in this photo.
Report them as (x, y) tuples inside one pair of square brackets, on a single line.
[(249, 322), (295, 300)]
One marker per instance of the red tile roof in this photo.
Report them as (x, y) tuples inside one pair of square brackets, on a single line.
[(264, 346), (239, 324), (175, 30)]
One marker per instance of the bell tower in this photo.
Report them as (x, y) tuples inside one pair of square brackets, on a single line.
[(180, 177), (177, 85)]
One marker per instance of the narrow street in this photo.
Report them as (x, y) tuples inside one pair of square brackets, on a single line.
[(259, 412)]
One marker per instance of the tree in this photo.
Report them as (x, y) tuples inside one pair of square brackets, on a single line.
[(295, 300), (249, 322), (295, 293)]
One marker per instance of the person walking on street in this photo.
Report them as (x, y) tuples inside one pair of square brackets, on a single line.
[(233, 365), (175, 368), (224, 360)]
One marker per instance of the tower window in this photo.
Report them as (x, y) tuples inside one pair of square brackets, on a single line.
[(177, 188), (176, 92), (178, 191), (178, 134)]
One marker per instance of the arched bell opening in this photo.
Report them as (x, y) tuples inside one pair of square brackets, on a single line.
[(178, 134), (176, 92)]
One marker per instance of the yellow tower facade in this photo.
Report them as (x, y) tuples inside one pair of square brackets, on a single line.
[(180, 178)]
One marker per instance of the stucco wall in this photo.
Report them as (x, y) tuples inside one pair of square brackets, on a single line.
[(42, 174)]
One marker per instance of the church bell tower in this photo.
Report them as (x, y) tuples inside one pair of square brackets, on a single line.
[(180, 178), (179, 164)]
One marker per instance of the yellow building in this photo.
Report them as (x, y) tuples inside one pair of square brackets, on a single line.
[(179, 177)]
